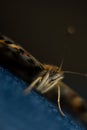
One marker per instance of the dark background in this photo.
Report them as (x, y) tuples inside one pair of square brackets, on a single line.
[(51, 31)]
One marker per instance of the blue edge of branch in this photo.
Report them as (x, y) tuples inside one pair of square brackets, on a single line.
[(30, 112)]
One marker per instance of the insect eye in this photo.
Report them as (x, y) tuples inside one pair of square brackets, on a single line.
[(53, 72)]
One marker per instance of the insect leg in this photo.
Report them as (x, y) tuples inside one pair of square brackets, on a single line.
[(32, 85), (59, 102), (42, 84), (51, 85)]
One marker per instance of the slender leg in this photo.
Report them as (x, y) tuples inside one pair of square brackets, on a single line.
[(42, 84), (59, 102), (49, 87), (32, 85)]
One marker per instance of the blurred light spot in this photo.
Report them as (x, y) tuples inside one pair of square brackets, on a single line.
[(71, 29)]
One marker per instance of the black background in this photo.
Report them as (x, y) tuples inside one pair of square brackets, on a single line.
[(51, 31)]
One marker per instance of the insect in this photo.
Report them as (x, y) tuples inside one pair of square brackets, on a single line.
[(43, 78)]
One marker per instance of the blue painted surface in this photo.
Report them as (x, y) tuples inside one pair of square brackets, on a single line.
[(31, 112)]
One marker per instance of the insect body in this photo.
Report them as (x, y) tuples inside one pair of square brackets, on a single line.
[(48, 76), (43, 78)]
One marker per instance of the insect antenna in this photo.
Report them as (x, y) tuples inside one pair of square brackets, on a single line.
[(75, 73), (61, 65)]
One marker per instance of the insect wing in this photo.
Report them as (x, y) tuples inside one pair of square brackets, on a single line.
[(18, 60)]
